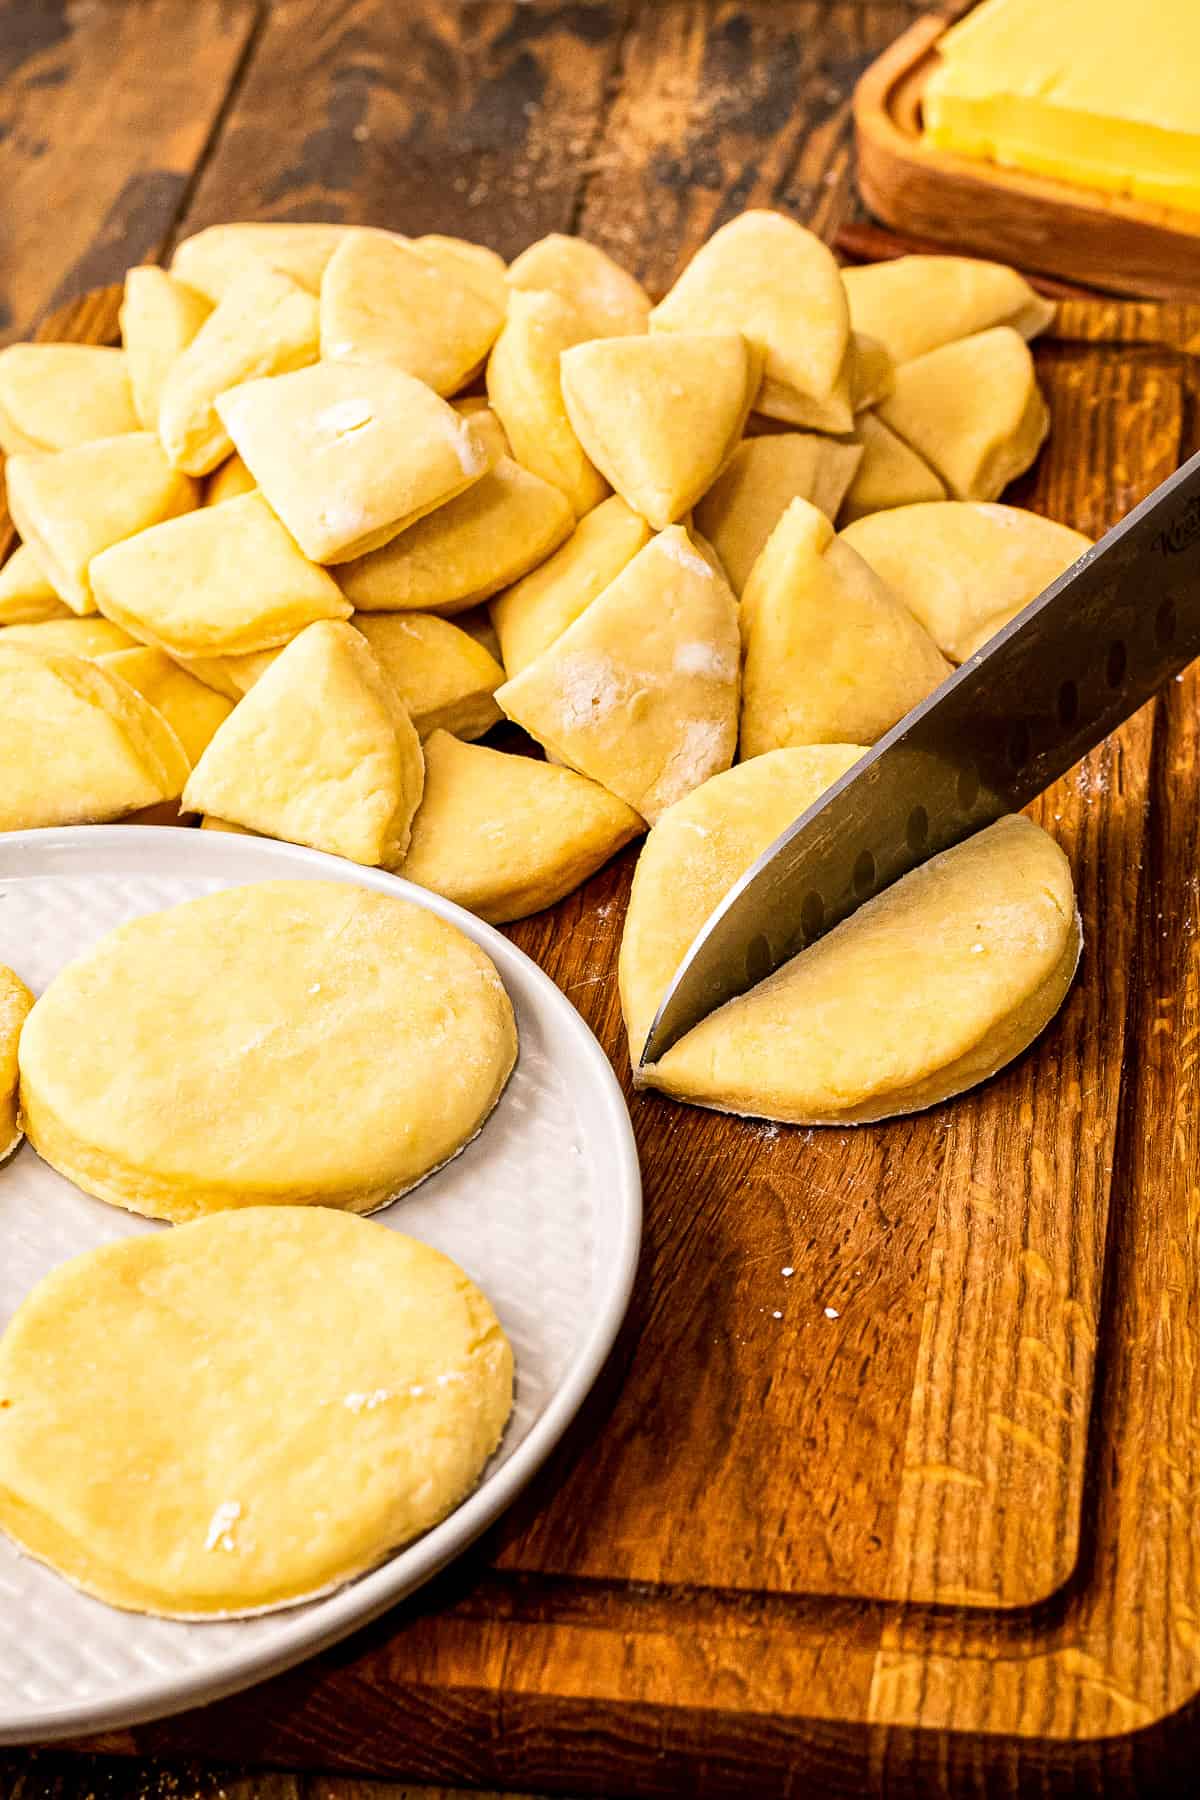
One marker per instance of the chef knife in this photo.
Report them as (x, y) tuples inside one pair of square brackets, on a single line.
[(1020, 712)]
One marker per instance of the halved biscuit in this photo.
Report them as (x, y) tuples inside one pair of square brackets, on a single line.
[(321, 752), (748, 499), (445, 678), (350, 454), (538, 609), (830, 655), (525, 391), (55, 396), (465, 551), (72, 506), (159, 318), (660, 415), (604, 295), (641, 691), (220, 582), (507, 835), (914, 303)]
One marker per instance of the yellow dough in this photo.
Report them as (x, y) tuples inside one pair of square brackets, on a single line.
[(923, 992), (660, 416), (959, 566), (446, 679), (872, 370), (507, 835), (261, 1407), (222, 581), (79, 745), (27, 597), (54, 396), (915, 303), (539, 608), (525, 392), (349, 455), (488, 429), (71, 636), (72, 506), (505, 523), (767, 276), (265, 324), (477, 623), (973, 410), (231, 676), (321, 752), (695, 853), (383, 301), (641, 691), (190, 708), (159, 318), (228, 481), (212, 260), (15, 1002), (831, 656), (471, 264), (330, 1045), (604, 295), (890, 473), (745, 503)]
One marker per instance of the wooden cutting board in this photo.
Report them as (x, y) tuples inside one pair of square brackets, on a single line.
[(892, 1479)]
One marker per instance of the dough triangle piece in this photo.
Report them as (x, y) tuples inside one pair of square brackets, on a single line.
[(16, 1002), (660, 416), (973, 410), (383, 301), (641, 691), (265, 324), (73, 506), (538, 609), (525, 391), (699, 848), (159, 318), (923, 992), (192, 710), (223, 581), (231, 676), (321, 752), (473, 265), (604, 295), (445, 679), (958, 566), (72, 636), (831, 656), (351, 454), (79, 745), (211, 260), (227, 482), (747, 501), (915, 303), (770, 278), (463, 552), (55, 396), (507, 835), (890, 473), (27, 596)]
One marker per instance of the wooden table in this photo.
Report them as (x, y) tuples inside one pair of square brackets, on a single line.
[(751, 1479)]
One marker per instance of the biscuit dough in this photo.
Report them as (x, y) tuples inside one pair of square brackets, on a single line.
[(695, 853), (745, 503), (320, 752), (830, 655), (641, 691), (54, 396), (503, 525), (350, 455), (890, 473), (72, 506), (525, 392), (212, 259), (507, 835), (538, 609), (973, 410), (190, 708), (90, 637), (606, 297), (79, 745), (228, 481), (446, 679), (915, 303), (306, 1391), (660, 416), (288, 1042), (925, 991), (159, 318), (223, 581), (15, 1002), (958, 566), (27, 597)]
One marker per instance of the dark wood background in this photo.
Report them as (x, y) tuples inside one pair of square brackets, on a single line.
[(645, 125)]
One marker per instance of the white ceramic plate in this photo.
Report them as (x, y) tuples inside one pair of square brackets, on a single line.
[(543, 1210)]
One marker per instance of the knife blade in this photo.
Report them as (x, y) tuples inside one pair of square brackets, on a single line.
[(1080, 658)]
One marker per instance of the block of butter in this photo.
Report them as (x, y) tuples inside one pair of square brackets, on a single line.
[(1100, 92)]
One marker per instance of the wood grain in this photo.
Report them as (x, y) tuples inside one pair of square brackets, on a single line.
[(462, 119), (105, 109)]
